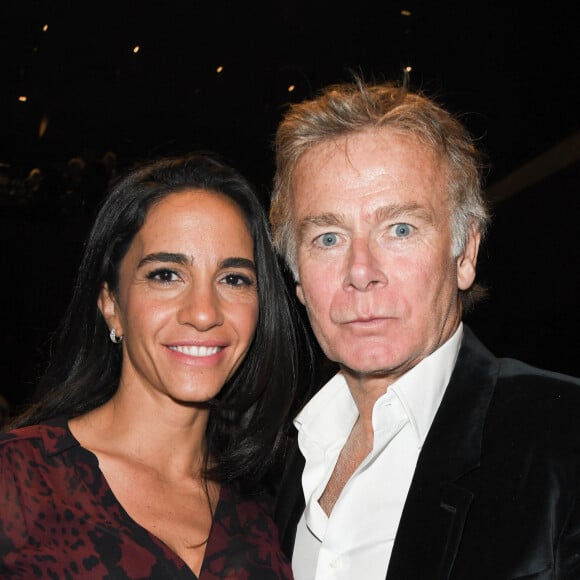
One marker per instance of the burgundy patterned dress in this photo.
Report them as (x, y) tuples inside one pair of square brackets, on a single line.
[(59, 520)]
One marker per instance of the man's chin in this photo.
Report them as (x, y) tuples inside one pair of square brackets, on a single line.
[(372, 371)]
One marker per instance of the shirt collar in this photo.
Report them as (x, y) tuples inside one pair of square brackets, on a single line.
[(421, 389), (332, 411)]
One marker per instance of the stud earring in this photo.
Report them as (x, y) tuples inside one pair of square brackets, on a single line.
[(114, 338)]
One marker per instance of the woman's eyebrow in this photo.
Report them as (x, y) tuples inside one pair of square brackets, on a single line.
[(172, 257), (236, 262), (182, 259)]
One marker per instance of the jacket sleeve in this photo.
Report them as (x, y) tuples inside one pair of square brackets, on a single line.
[(568, 550)]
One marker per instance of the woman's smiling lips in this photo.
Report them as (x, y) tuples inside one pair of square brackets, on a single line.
[(197, 350)]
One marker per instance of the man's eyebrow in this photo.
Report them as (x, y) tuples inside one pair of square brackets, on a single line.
[(395, 211), (321, 220), (382, 213), (182, 259)]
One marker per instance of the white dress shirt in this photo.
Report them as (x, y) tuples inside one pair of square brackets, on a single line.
[(357, 539)]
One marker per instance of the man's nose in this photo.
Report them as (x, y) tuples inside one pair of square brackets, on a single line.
[(364, 270)]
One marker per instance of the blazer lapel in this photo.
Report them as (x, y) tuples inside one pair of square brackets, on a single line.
[(437, 504)]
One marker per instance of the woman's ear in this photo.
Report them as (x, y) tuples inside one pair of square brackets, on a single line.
[(107, 304)]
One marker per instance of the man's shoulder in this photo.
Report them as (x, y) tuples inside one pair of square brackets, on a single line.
[(516, 371), (515, 390), (535, 408), (512, 371), (550, 394)]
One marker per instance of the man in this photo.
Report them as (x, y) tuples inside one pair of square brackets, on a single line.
[(425, 457)]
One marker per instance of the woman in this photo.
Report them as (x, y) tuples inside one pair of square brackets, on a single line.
[(166, 397)]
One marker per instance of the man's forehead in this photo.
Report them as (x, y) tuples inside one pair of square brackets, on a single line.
[(367, 160), (418, 196)]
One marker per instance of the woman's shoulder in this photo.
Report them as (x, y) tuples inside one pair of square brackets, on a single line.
[(47, 438)]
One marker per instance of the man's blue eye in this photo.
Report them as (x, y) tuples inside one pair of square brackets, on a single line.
[(328, 239), (402, 230)]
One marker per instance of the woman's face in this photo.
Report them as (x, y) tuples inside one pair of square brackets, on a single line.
[(187, 301)]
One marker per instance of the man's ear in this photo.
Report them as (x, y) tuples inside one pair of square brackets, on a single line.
[(467, 260), (107, 304), (300, 293)]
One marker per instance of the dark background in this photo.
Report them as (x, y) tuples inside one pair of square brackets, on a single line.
[(509, 69)]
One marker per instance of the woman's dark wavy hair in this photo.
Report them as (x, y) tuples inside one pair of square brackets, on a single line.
[(249, 415)]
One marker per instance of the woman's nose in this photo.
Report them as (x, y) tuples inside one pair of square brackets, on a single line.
[(200, 307)]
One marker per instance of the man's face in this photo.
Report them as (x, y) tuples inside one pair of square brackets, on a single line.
[(376, 272)]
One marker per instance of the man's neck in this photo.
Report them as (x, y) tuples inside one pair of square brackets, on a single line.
[(365, 390)]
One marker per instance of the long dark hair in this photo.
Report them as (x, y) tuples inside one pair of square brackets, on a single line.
[(249, 415)]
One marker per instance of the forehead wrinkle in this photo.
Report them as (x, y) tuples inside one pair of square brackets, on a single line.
[(371, 181)]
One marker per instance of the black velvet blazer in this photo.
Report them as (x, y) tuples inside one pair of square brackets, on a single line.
[(495, 492)]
